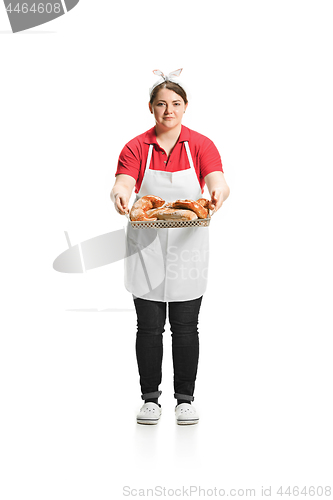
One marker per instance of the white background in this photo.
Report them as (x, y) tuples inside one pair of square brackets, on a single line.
[(73, 92)]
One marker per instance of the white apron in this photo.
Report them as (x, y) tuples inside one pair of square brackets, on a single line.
[(167, 265)]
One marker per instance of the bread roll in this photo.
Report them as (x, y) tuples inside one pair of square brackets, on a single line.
[(171, 214), (196, 207), (206, 203), (140, 207)]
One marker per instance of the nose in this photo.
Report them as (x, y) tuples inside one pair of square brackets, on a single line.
[(168, 109)]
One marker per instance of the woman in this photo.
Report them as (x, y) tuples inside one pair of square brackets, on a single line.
[(168, 266)]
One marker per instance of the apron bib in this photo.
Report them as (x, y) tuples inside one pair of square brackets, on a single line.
[(168, 265)]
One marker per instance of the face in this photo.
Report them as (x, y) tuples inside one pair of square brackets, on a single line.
[(168, 109)]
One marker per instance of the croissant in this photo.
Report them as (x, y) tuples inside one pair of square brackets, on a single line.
[(206, 203), (196, 207), (140, 207)]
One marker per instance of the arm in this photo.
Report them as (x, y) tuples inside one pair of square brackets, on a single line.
[(218, 188), (121, 192)]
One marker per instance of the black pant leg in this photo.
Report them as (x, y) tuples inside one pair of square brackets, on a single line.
[(183, 317), (151, 317)]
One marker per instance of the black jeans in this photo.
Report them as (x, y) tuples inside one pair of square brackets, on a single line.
[(183, 318)]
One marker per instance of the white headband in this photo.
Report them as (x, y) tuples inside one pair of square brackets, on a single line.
[(166, 78)]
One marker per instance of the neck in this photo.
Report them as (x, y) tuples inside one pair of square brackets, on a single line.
[(170, 135)]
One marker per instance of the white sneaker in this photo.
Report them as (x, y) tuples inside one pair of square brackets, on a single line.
[(186, 414), (150, 413)]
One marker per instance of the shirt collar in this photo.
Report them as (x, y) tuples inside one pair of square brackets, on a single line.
[(150, 136)]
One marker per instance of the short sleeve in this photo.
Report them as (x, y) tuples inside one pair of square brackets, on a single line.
[(129, 161), (209, 158)]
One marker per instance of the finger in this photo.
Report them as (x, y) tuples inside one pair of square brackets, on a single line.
[(119, 207), (216, 203), (124, 209), (214, 199), (117, 204), (219, 204), (123, 205)]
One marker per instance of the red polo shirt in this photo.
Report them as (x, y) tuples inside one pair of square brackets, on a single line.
[(133, 157)]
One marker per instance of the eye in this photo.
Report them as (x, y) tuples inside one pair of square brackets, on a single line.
[(160, 104)]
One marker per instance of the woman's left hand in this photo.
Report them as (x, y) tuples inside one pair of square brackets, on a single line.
[(218, 188), (216, 199)]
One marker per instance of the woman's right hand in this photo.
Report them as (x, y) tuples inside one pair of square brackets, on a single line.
[(121, 203), (122, 192)]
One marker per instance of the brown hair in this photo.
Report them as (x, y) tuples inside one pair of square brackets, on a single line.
[(171, 86)]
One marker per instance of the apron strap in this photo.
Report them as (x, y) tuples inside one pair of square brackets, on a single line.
[(150, 151), (189, 154)]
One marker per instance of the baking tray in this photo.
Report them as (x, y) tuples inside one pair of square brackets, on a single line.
[(159, 224)]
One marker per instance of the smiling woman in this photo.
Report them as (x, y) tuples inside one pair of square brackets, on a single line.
[(168, 103), (168, 110), (172, 162)]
